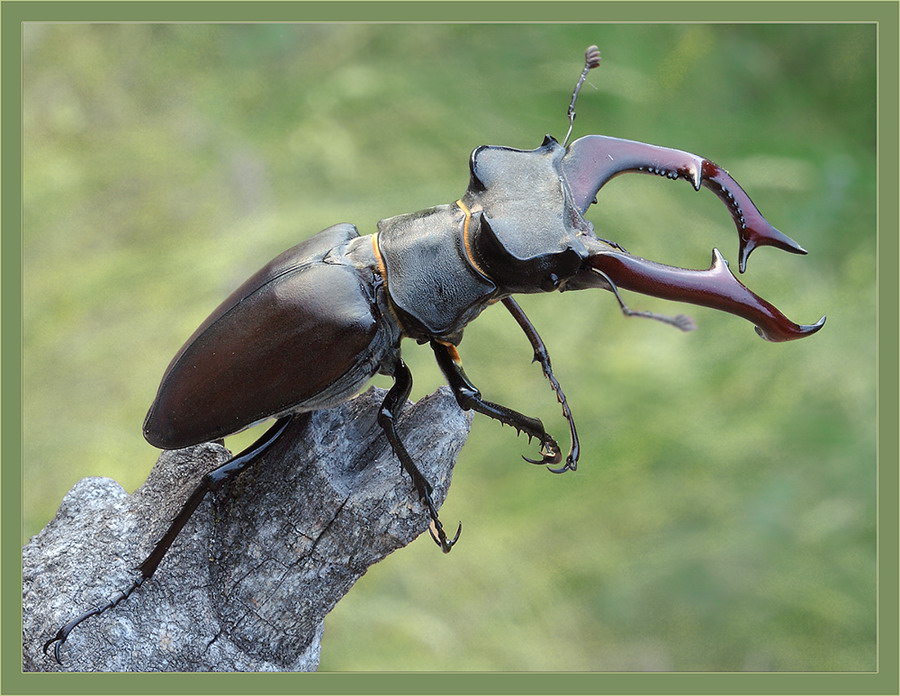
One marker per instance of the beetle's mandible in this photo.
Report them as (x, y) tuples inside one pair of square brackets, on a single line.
[(518, 228)]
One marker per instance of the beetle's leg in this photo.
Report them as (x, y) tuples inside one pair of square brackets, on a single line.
[(469, 398), (543, 357), (387, 419), (210, 482)]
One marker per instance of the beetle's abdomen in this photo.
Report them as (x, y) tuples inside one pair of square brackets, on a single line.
[(298, 336)]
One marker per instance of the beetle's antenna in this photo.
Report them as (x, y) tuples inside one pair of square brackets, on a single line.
[(591, 60), (682, 321)]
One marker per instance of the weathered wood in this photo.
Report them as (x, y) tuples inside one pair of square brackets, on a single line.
[(249, 581)]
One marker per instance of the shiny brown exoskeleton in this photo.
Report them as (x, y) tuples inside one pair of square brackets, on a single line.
[(311, 327)]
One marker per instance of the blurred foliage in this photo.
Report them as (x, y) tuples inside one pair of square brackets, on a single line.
[(723, 516)]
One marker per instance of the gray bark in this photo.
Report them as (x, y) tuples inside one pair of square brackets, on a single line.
[(251, 577)]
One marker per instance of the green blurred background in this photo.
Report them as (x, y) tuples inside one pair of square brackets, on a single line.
[(723, 516)]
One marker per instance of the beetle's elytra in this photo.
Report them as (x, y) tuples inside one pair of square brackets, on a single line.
[(345, 302)]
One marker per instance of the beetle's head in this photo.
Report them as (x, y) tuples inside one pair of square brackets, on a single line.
[(525, 229), (528, 233)]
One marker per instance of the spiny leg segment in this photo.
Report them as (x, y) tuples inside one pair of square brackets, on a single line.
[(469, 398), (542, 357)]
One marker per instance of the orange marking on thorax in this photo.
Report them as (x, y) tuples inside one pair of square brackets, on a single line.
[(467, 239), (382, 269)]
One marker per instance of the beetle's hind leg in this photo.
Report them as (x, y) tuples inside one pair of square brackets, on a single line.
[(210, 482), (469, 398), (387, 419)]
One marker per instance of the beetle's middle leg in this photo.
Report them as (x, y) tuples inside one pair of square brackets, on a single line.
[(469, 398), (387, 419)]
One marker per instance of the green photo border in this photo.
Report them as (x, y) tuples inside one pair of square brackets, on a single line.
[(883, 681)]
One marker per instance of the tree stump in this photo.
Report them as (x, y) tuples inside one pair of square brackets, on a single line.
[(247, 584)]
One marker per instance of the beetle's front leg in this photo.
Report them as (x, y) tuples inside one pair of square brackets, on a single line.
[(387, 419), (542, 357), (469, 398)]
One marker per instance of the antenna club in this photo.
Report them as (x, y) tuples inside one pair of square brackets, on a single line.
[(591, 60)]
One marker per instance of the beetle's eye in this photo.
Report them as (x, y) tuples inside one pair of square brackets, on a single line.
[(550, 283)]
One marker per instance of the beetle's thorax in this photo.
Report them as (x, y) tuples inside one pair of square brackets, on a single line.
[(433, 288)]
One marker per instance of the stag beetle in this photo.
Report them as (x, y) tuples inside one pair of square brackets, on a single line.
[(345, 301)]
